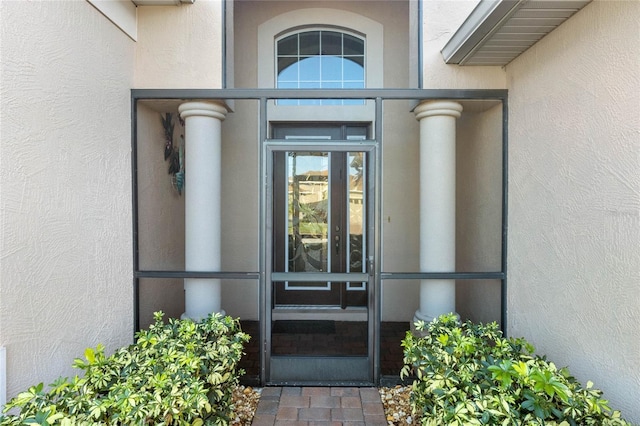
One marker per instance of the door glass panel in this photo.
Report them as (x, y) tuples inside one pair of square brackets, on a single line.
[(356, 214), (308, 217), (306, 229)]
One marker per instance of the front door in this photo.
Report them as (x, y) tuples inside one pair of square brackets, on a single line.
[(321, 328), (320, 217)]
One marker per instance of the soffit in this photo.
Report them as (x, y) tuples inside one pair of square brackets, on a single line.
[(161, 2), (498, 31)]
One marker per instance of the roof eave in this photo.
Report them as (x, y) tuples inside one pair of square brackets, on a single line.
[(494, 21), (483, 21)]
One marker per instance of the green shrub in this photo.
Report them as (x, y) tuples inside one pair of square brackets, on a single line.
[(468, 374), (180, 373)]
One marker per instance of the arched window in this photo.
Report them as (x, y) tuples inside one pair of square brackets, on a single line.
[(320, 59)]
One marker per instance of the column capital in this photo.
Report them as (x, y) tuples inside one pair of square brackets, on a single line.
[(437, 108), (214, 109)]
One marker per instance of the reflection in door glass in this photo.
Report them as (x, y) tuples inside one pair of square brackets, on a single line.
[(356, 215), (308, 216)]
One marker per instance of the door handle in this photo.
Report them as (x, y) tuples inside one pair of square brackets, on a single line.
[(337, 238), (371, 267)]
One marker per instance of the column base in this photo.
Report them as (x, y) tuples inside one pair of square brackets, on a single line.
[(419, 316), (200, 318)]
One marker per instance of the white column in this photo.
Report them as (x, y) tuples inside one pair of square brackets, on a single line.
[(202, 133), (437, 205)]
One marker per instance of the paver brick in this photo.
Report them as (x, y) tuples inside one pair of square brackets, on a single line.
[(287, 413), (370, 395), (315, 413), (325, 401), (295, 390), (372, 408), (267, 406), (298, 401), (270, 392), (345, 392), (264, 420), (350, 402), (347, 414), (316, 391), (374, 421)]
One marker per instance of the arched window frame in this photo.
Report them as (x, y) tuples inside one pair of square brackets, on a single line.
[(312, 64), (370, 30)]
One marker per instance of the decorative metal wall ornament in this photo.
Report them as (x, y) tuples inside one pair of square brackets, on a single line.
[(175, 156)]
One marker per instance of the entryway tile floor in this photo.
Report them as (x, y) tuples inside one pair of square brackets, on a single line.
[(310, 406)]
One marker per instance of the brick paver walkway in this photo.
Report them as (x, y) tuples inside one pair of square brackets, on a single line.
[(312, 406)]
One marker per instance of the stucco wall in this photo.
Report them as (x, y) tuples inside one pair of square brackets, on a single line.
[(574, 221), (65, 246), (440, 21), (180, 46), (394, 16)]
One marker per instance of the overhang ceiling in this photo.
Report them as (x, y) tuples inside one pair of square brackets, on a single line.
[(497, 31)]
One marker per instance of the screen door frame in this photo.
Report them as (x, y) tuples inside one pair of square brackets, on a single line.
[(321, 370)]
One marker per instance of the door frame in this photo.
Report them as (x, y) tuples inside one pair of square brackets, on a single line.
[(322, 370)]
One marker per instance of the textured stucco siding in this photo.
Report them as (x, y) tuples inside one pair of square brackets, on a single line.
[(574, 198), (180, 46), (65, 177)]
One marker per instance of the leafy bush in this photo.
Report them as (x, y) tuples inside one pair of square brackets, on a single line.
[(468, 374), (180, 373)]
